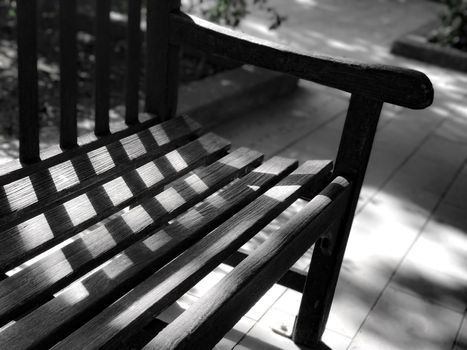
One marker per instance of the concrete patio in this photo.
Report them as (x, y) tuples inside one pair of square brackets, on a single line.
[(404, 280)]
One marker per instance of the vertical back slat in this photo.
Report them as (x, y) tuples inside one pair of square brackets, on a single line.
[(133, 60), (68, 74), (26, 12), (102, 68), (172, 79), (161, 60)]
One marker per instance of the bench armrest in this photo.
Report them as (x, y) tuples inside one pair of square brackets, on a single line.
[(400, 86)]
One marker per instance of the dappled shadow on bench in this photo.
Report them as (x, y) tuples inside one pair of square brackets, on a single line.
[(132, 259), (84, 207)]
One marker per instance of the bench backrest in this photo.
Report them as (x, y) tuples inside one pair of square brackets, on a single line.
[(161, 69), (166, 29)]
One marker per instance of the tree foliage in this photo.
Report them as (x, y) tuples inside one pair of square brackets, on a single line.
[(226, 12), (453, 29), (231, 12)]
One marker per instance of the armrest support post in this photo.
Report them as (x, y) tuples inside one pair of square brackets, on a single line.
[(351, 163)]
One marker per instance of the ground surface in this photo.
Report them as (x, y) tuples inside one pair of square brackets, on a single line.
[(404, 279)]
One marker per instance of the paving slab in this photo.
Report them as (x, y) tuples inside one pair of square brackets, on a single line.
[(402, 321)]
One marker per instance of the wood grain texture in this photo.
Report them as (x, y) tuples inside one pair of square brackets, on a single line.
[(169, 283), (68, 74), (28, 196), (206, 322), (292, 279), (351, 163), (54, 154), (139, 260), (41, 232), (102, 67), (26, 15), (161, 61), (395, 85), (133, 62)]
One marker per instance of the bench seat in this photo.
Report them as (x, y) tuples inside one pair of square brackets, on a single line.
[(101, 234), (96, 244)]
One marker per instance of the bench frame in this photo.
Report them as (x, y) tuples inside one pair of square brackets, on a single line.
[(167, 30)]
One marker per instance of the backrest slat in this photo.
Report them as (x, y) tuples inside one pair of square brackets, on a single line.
[(68, 74), (161, 61), (133, 61), (26, 12), (102, 67)]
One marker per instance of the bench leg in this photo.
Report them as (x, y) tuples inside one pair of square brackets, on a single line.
[(351, 163), (318, 292)]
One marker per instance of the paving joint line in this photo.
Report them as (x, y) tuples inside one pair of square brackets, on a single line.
[(422, 229), (315, 129), (458, 333), (404, 162)]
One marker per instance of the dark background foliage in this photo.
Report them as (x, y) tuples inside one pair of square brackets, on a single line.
[(453, 29)]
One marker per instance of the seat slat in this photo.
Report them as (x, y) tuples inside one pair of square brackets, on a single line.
[(41, 232), (149, 298), (140, 259), (205, 323), (54, 155), (30, 195), (94, 247)]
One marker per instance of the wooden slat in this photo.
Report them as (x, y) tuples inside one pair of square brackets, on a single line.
[(26, 197), (161, 62), (173, 78), (396, 85), (102, 67), (40, 233), (108, 283), (54, 154), (206, 322), (133, 61), (68, 74), (164, 287), (26, 14), (292, 279)]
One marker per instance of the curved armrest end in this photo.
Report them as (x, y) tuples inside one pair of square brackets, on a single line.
[(400, 86)]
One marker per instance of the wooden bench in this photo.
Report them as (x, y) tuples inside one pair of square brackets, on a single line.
[(110, 229)]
